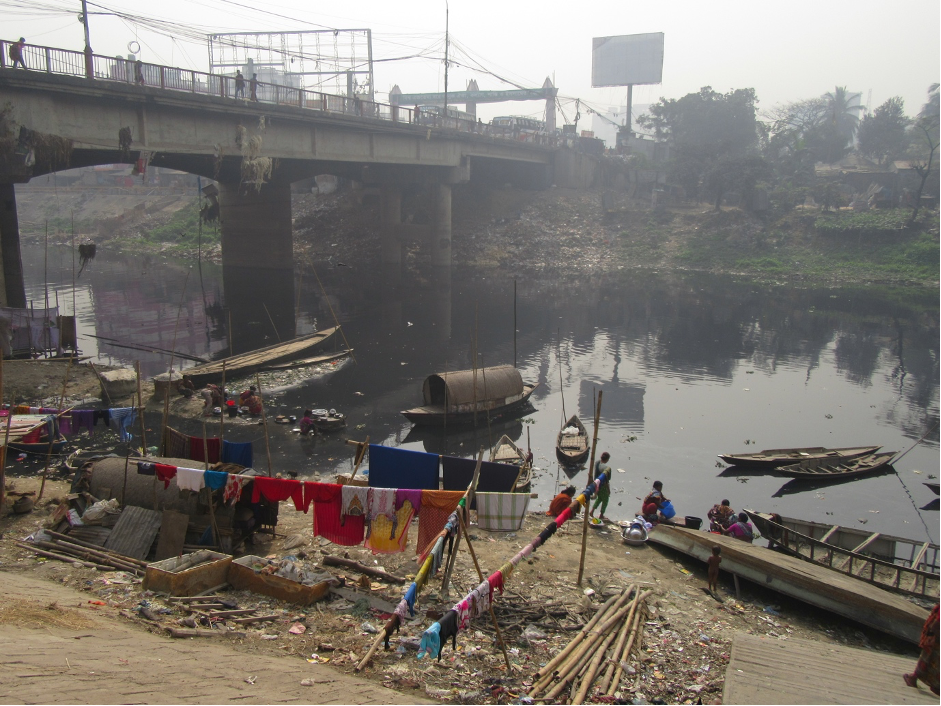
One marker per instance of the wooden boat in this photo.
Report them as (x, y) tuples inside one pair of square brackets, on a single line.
[(471, 396), (39, 448), (509, 453), (572, 449), (328, 421), (933, 487), (253, 361), (772, 458), (894, 563), (806, 581), (822, 469), (23, 426)]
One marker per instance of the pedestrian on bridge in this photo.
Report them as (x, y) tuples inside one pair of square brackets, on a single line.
[(16, 53), (253, 87), (139, 72), (239, 85)]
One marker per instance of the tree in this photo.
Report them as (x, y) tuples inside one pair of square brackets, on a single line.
[(842, 116), (883, 136), (929, 124)]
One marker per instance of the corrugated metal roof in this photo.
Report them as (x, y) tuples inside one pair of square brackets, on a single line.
[(135, 532), (498, 382)]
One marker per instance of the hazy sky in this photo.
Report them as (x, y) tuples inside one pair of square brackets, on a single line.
[(785, 50)]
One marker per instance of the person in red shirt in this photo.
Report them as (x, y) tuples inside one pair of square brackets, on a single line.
[(16, 53)]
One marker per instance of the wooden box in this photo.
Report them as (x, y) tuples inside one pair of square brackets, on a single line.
[(187, 575), (244, 577)]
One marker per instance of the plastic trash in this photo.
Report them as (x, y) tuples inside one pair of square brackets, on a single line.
[(531, 632), (771, 611), (369, 627)]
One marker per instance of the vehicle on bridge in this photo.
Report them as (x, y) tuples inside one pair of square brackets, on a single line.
[(434, 116)]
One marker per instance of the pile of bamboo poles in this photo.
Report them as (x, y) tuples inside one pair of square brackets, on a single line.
[(605, 642), (69, 549)]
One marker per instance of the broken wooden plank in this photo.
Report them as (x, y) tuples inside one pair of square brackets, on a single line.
[(254, 619), (185, 632), (172, 535), (361, 568), (134, 532)]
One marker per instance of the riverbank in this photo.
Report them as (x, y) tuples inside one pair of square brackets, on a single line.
[(560, 231)]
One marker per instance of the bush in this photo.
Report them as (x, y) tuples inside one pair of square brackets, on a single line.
[(865, 223)]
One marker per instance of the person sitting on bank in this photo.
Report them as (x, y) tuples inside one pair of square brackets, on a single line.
[(252, 403), (720, 517), (307, 422), (741, 529), (562, 501), (212, 398), (653, 502), (185, 386), (250, 392)]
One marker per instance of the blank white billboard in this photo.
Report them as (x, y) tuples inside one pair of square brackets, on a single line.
[(627, 60)]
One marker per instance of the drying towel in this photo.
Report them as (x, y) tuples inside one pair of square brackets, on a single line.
[(216, 479), (401, 610), (430, 642), (463, 610), (413, 496), (277, 489), (496, 583), (548, 532), (65, 426), (327, 498), (237, 453), (83, 419), (121, 420), (164, 473), (436, 506), (233, 488), (457, 474), (501, 512), (145, 468), (422, 576), (177, 444), (484, 598), (397, 468), (354, 502), (390, 536), (381, 502), (507, 570), (213, 446), (190, 479)]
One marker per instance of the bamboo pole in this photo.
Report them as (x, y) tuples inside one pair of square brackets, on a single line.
[(225, 410), (140, 408), (127, 460), (592, 670), (359, 461), (591, 478), (480, 575), (3, 449), (264, 420), (452, 560), (618, 647), (613, 686)]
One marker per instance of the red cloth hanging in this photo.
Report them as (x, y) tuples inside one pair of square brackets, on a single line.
[(327, 499), (164, 473), (277, 489), (213, 446)]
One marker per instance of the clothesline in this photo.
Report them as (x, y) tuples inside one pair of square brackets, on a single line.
[(478, 601), (71, 421)]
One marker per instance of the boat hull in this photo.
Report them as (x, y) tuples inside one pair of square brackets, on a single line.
[(773, 458), (565, 445), (40, 448), (832, 470), (436, 415)]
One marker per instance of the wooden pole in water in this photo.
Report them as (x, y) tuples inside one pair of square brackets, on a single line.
[(225, 409), (591, 479), (264, 420), (140, 410), (360, 457), (73, 276), (561, 384)]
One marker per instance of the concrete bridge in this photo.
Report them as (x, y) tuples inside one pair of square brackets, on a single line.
[(68, 110)]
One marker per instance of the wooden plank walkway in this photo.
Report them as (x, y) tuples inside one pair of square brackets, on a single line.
[(817, 585), (766, 670)]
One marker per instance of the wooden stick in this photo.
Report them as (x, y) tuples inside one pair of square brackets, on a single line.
[(469, 499), (593, 668), (61, 557), (255, 619), (360, 457), (328, 560), (3, 450), (613, 686), (619, 645), (127, 460), (225, 410), (104, 388), (264, 419), (480, 575), (591, 478), (90, 555), (140, 407), (66, 539), (183, 632)]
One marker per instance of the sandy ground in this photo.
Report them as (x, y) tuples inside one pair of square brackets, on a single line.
[(682, 660)]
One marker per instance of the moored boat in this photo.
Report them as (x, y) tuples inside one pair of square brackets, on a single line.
[(509, 453), (328, 420), (772, 458), (571, 444), (933, 487), (468, 396), (825, 469), (894, 563), (255, 360)]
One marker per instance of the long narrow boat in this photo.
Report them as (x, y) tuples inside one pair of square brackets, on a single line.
[(245, 363), (471, 396), (822, 469), (894, 563), (805, 581), (772, 458), (572, 446), (509, 453), (933, 487)]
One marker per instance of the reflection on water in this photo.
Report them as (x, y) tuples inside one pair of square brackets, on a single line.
[(690, 366)]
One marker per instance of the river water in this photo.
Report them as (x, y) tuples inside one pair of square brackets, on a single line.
[(690, 366)]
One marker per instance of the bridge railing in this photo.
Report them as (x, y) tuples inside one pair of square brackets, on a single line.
[(119, 69)]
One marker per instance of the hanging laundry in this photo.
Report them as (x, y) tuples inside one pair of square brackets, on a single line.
[(410, 595), (390, 467), (233, 488), (277, 489), (83, 419), (484, 596), (327, 498), (240, 453), (390, 536), (430, 642), (190, 479), (216, 479), (146, 468), (177, 444), (101, 415), (198, 445), (436, 507), (164, 473), (121, 419), (501, 512), (355, 500), (496, 583), (448, 629), (412, 496), (63, 418), (457, 474)]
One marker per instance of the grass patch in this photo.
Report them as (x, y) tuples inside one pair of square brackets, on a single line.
[(183, 229), (878, 222)]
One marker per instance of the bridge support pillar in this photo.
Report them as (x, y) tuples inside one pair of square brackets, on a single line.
[(256, 226), (390, 209), (12, 286), (441, 237)]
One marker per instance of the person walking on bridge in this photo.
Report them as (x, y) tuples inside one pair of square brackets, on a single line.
[(253, 87), (239, 85), (16, 53)]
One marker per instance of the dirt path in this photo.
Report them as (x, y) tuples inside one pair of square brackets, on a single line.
[(59, 647)]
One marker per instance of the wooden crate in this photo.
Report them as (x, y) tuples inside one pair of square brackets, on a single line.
[(243, 577), (171, 576)]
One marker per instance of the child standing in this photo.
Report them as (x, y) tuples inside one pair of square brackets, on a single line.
[(713, 563)]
